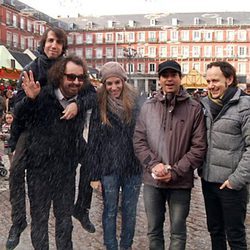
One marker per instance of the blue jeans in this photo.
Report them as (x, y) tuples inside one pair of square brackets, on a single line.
[(155, 205), (130, 189), (226, 214)]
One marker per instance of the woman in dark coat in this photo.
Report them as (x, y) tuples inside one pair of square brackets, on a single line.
[(117, 167)]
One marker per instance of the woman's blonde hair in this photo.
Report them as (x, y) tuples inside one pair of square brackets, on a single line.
[(128, 97)]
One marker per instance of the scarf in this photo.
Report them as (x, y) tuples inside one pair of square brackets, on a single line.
[(115, 106), (216, 104)]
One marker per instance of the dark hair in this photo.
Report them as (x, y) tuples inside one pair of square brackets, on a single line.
[(56, 72), (227, 70), (61, 36)]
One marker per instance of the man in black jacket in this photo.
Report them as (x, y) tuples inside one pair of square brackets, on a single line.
[(52, 47), (52, 155)]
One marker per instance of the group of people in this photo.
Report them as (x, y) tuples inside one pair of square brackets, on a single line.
[(61, 121)]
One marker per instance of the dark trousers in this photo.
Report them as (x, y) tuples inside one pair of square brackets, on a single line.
[(84, 198), (226, 213), (42, 193), (17, 183)]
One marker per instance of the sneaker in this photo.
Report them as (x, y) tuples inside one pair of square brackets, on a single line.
[(14, 236), (85, 222)]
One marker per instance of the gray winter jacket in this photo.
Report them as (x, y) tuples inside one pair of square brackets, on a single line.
[(228, 154)]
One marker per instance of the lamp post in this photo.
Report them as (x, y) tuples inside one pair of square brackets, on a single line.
[(130, 53)]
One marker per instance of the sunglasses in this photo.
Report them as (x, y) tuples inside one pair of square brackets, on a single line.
[(72, 77)]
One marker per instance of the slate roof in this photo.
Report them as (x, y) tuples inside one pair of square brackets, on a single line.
[(162, 20), (22, 58)]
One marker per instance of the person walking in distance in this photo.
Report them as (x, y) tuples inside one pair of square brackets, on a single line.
[(170, 142)]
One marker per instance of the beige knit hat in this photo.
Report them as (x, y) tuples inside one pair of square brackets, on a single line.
[(110, 69)]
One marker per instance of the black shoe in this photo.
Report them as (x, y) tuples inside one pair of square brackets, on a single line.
[(85, 222), (14, 236)]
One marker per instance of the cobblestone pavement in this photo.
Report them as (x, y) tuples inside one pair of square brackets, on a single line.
[(198, 237)]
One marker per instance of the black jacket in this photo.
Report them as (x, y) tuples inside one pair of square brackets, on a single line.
[(113, 147), (53, 144)]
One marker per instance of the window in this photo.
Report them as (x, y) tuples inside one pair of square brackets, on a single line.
[(30, 43), (89, 53), (141, 67), (152, 36), (208, 51), (29, 26), (152, 22), (196, 66), (99, 38), (219, 20), (152, 51), (152, 68), (120, 37), (109, 37), (9, 38), (219, 51), (196, 21), (163, 52), (22, 23), (242, 35), (70, 39), (219, 35), (174, 51), (162, 36), (230, 35), (141, 37), (141, 51), (23, 42), (109, 53), (230, 21), (98, 53), (242, 51), (185, 52), (185, 68), (208, 35), (174, 36), (230, 51), (174, 21), (185, 35), (89, 38), (241, 68), (196, 51), (15, 40), (120, 52), (79, 39), (79, 52), (14, 20), (8, 18), (42, 29), (196, 35)]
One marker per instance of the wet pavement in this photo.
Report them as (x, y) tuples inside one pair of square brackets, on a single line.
[(198, 237)]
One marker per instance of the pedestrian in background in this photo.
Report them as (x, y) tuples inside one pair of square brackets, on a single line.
[(52, 156), (170, 142), (116, 166), (226, 171)]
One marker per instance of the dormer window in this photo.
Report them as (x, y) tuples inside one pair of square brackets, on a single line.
[(152, 22), (174, 21), (230, 21), (131, 23), (90, 25), (219, 20), (196, 20), (110, 24)]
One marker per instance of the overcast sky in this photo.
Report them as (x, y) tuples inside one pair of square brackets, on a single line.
[(71, 8)]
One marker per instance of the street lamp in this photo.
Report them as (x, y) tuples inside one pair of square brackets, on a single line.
[(130, 53)]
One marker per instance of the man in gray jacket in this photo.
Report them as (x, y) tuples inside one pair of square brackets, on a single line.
[(170, 142), (226, 171)]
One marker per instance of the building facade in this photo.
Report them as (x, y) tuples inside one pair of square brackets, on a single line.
[(138, 42)]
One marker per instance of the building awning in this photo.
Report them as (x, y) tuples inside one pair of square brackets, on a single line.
[(12, 74)]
